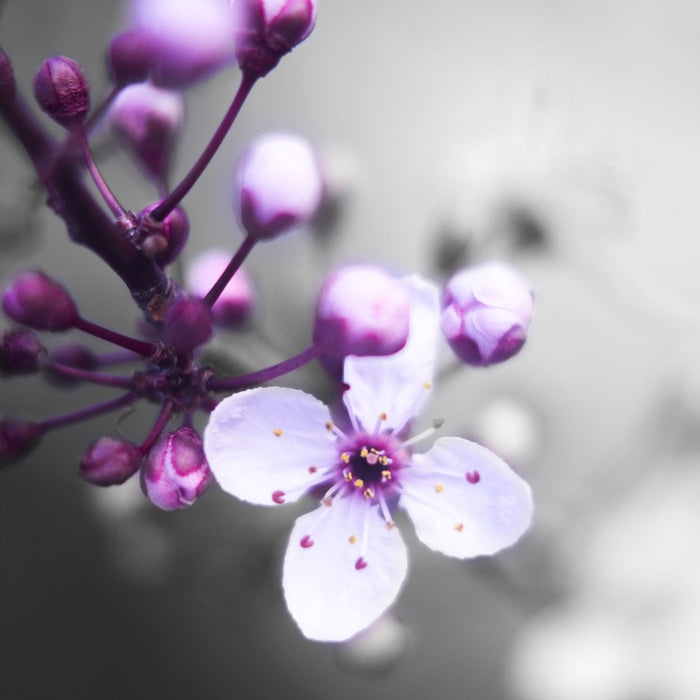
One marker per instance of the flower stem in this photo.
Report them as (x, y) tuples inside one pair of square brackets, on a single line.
[(264, 375), (157, 429), (88, 376), (176, 196), (89, 412), (137, 346), (236, 261)]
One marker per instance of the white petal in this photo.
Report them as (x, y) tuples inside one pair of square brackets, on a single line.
[(331, 596), (267, 440), (398, 384), (457, 517)]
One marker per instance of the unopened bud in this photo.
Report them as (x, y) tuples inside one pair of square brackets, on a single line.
[(163, 240), (265, 30), (190, 38), (175, 472), (486, 313), (8, 88), (234, 304), (130, 56), (17, 437), (39, 302), (188, 324), (62, 91), (147, 119), (109, 461), (278, 185), (362, 310), (20, 352)]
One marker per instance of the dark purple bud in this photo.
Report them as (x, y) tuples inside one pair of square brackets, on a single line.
[(62, 91), (130, 57), (39, 302), (163, 240), (17, 438), (109, 461), (175, 472), (20, 352), (8, 88), (71, 355), (188, 324), (147, 119), (486, 313)]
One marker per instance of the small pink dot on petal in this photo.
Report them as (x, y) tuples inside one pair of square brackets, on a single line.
[(278, 497), (360, 564), (306, 542), (473, 477)]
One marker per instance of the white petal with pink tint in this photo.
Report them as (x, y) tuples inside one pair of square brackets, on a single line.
[(339, 581), (464, 500), (398, 384), (270, 440)]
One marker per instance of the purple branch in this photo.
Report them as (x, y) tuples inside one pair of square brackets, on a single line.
[(163, 418), (89, 412), (137, 346), (236, 261), (89, 376), (265, 375)]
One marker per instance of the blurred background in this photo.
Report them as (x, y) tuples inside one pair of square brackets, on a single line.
[(563, 136)]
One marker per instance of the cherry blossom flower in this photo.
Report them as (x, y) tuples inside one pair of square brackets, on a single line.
[(346, 562)]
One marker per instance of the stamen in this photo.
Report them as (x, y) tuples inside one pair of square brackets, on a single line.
[(382, 418), (352, 539), (347, 474), (278, 497), (441, 510), (459, 527), (277, 432), (386, 476), (345, 456), (439, 488), (306, 542), (413, 411), (351, 414), (473, 477), (360, 564), (333, 428), (437, 424), (368, 493), (385, 511), (313, 469), (359, 483)]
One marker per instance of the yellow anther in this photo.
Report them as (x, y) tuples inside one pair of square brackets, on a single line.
[(348, 476), (389, 526), (427, 386), (352, 539), (386, 474), (384, 460), (277, 432), (329, 426), (382, 416), (313, 470), (327, 501), (364, 452), (368, 493), (439, 488), (359, 483), (459, 527), (345, 457)]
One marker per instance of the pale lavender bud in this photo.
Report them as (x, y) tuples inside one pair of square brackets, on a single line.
[(486, 313), (109, 461), (17, 437), (361, 310), (175, 472), (20, 352), (268, 29), (278, 185), (71, 355), (148, 119), (190, 38), (39, 302), (130, 56), (62, 91), (163, 240), (188, 324), (235, 303), (8, 88)]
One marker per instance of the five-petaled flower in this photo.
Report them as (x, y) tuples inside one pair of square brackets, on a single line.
[(345, 561)]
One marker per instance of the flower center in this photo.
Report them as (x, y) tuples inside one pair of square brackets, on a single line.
[(369, 466)]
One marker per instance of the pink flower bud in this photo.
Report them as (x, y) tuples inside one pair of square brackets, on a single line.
[(190, 38), (40, 303), (163, 240), (17, 437), (188, 324), (234, 304), (175, 472), (109, 461), (486, 313), (268, 29), (71, 355), (62, 91), (361, 310), (8, 88), (278, 185), (147, 119), (20, 352), (130, 56)]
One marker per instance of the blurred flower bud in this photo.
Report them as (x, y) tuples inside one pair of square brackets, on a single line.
[(188, 324), (8, 88), (20, 352), (163, 240), (62, 91), (268, 29), (71, 355), (278, 185), (486, 313), (17, 437), (190, 38), (130, 56), (109, 461), (361, 310), (147, 119), (175, 472), (234, 304), (35, 300)]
